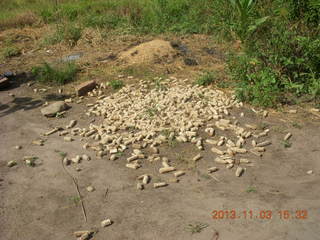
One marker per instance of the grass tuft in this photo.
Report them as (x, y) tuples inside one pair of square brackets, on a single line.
[(206, 79), (9, 52), (116, 84), (58, 74)]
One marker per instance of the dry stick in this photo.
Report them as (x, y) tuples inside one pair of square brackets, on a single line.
[(106, 194), (77, 188), (215, 178)]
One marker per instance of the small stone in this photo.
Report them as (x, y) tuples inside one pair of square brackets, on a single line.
[(18, 147), (38, 142), (52, 109), (90, 189), (78, 169), (140, 186), (196, 158), (213, 169), (293, 111), (11, 163), (159, 184), (239, 171), (310, 172), (71, 124), (173, 180), (113, 157), (136, 146), (85, 87), (114, 150), (287, 137), (106, 223), (66, 161), (76, 159), (85, 157), (133, 165), (68, 139), (179, 173), (166, 169), (265, 114)]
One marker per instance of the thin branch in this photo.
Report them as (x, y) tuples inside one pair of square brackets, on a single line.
[(77, 188)]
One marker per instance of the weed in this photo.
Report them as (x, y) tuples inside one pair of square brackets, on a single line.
[(190, 164), (263, 125), (296, 125), (58, 74), (75, 199), (119, 154), (60, 114), (116, 84), (69, 33), (206, 79), (196, 227), (172, 142), (286, 143), (31, 162), (158, 84), (245, 24), (152, 111), (251, 189), (9, 52), (62, 154), (205, 176), (279, 129)]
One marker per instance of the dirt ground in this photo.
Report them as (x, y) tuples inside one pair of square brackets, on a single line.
[(41, 202)]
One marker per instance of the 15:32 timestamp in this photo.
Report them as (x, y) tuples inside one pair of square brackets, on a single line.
[(259, 214)]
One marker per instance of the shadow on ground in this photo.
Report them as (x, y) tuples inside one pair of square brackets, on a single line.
[(19, 103)]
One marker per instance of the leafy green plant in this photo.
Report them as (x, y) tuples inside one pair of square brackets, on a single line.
[(116, 84), (196, 227), (172, 142), (152, 111), (296, 125), (206, 79), (57, 74), (75, 199), (246, 25), (251, 189), (286, 143)]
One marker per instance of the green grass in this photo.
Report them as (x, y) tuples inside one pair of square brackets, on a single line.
[(9, 52), (70, 33), (286, 144), (185, 16), (279, 57), (296, 125), (206, 79), (196, 227), (55, 74), (116, 84), (251, 189)]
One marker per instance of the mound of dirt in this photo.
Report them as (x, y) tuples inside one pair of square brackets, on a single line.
[(155, 51)]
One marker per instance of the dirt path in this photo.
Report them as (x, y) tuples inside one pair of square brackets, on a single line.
[(41, 202)]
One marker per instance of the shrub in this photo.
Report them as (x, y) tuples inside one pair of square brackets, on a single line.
[(58, 74), (277, 63)]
